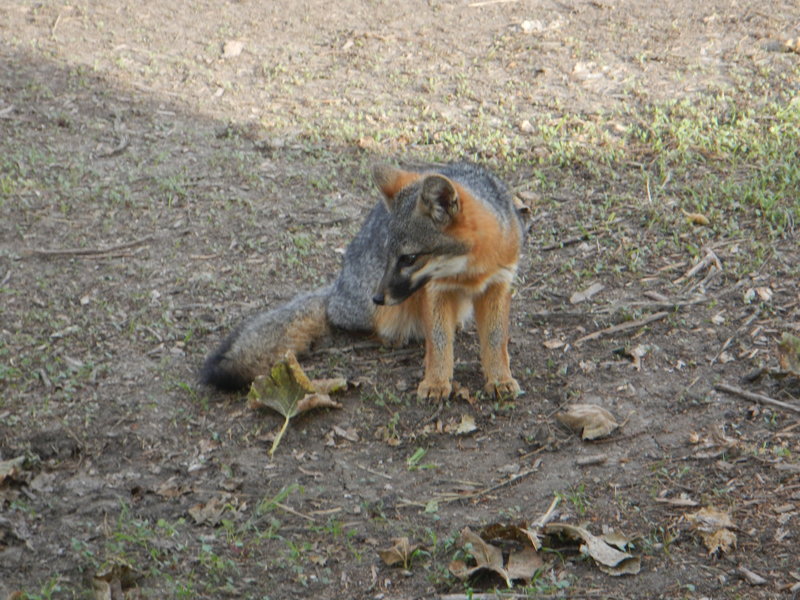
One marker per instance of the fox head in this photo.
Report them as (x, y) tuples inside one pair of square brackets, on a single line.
[(421, 208)]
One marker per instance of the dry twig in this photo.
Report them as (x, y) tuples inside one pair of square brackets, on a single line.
[(708, 260), (489, 3), (451, 497), (622, 327), (47, 253), (754, 397)]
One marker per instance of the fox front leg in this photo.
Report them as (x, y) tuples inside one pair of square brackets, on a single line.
[(440, 320), (492, 313)]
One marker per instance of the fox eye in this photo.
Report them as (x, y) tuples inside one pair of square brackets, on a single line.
[(406, 260)]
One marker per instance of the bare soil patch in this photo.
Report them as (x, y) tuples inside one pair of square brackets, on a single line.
[(158, 184)]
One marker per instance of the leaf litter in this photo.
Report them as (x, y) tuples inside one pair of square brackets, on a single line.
[(789, 354), (515, 552), (400, 553), (715, 529)]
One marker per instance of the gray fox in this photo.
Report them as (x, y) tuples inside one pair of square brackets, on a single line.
[(444, 243)]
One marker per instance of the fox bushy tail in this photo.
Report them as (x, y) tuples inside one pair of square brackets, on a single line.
[(263, 339)]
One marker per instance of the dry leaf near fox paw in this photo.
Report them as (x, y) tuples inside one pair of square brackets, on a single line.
[(590, 420)]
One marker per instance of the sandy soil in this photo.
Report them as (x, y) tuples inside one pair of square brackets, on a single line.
[(167, 168)]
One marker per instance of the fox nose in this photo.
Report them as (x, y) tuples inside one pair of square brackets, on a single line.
[(379, 299)]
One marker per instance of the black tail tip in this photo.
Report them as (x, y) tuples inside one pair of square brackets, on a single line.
[(216, 375)]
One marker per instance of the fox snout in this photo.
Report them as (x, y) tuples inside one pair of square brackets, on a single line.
[(384, 297)]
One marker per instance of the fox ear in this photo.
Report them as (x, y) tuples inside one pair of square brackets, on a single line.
[(439, 200), (390, 180)]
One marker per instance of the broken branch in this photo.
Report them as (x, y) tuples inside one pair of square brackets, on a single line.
[(760, 398), (45, 253), (622, 327)]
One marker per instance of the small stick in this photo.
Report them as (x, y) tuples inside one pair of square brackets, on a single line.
[(587, 461), (760, 398), (569, 242), (487, 596), (709, 259), (659, 304), (373, 471), (118, 149), (549, 514), (292, 511), (579, 238), (55, 26), (739, 329), (489, 490), (751, 577), (489, 3), (45, 253), (622, 327)]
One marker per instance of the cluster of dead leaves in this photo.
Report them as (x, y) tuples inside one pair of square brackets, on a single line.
[(462, 425), (523, 545), (515, 552), (715, 528), (715, 444)]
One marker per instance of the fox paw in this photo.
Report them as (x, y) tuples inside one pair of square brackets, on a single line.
[(434, 390), (507, 389)]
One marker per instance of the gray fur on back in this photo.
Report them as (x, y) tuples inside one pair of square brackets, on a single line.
[(350, 303)]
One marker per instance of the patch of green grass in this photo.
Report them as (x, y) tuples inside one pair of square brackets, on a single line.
[(52, 588), (577, 497), (726, 158), (414, 462)]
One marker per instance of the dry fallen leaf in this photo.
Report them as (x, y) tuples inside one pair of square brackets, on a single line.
[(467, 425), (714, 527), (461, 392), (400, 553), (329, 386), (697, 218), (721, 541), (232, 48), (209, 513), (10, 468), (789, 353), (637, 354), (111, 581), (523, 564), (610, 560), (593, 289), (486, 557), (553, 344), (591, 420), (682, 500), (289, 391)]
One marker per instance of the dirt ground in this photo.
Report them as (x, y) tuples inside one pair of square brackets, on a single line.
[(167, 168)]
